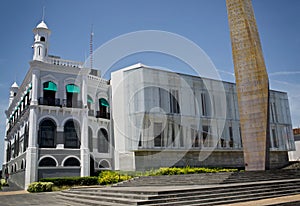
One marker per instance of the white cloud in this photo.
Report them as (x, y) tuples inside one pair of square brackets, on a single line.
[(283, 73), (225, 72)]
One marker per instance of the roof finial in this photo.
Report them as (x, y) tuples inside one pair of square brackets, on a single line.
[(43, 17)]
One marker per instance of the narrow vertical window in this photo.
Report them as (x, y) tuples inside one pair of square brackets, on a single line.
[(203, 104), (275, 142), (230, 137), (103, 141), (174, 105), (275, 112), (90, 138), (158, 135), (205, 136), (180, 130), (195, 138)]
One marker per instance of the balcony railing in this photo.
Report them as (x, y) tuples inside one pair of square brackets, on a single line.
[(64, 62), (91, 113), (104, 115), (17, 117), (49, 101), (72, 103)]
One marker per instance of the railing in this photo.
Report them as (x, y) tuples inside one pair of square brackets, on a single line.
[(104, 115), (91, 113), (17, 118), (72, 103), (63, 62), (49, 101)]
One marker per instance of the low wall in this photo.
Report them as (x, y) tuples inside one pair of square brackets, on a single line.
[(146, 160)]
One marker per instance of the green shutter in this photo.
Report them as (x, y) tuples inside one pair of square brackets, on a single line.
[(50, 86), (71, 88), (104, 103), (89, 99)]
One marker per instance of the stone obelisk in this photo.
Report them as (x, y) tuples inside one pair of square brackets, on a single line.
[(251, 82)]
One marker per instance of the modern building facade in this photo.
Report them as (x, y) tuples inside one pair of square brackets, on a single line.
[(65, 120), (295, 155), (164, 118)]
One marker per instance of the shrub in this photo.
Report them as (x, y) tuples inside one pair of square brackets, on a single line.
[(71, 181), (40, 187), (189, 170), (110, 177), (3, 183)]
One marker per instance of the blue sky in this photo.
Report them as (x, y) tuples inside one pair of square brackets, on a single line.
[(201, 21)]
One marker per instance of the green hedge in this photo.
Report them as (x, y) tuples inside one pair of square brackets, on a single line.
[(71, 181), (40, 187), (189, 170), (110, 177)]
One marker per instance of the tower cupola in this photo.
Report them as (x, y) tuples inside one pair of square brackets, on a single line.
[(41, 41), (13, 91)]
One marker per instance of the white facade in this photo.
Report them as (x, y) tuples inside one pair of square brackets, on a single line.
[(59, 120), (161, 117)]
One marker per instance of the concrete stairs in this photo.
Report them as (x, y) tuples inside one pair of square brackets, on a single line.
[(237, 187), (210, 178)]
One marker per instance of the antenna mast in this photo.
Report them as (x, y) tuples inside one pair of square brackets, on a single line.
[(43, 17), (91, 47)]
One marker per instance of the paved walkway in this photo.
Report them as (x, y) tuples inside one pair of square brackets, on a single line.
[(23, 198), (285, 200)]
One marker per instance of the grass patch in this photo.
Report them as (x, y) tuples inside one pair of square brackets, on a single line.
[(60, 188)]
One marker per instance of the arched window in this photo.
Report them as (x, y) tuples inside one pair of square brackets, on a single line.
[(104, 164), (43, 38), (26, 135), (90, 101), (49, 89), (47, 134), (22, 164), (90, 138), (17, 145), (72, 92), (47, 162), (103, 109), (72, 162), (72, 134), (103, 141)]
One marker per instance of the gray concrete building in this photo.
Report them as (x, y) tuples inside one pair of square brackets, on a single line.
[(163, 118)]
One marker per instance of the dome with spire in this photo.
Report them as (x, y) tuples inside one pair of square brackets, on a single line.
[(14, 85), (42, 25)]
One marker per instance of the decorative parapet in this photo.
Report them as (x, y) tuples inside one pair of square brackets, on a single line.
[(100, 81), (63, 62)]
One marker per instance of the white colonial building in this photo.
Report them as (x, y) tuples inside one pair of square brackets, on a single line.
[(58, 119), (65, 120)]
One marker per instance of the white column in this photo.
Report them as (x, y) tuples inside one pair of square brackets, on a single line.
[(34, 90), (84, 151), (31, 153), (4, 150)]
